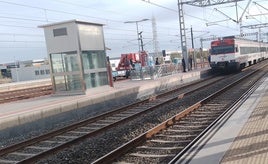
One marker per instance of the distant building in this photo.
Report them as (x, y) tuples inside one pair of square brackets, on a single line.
[(30, 70), (3, 69)]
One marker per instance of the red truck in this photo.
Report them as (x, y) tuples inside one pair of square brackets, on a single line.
[(128, 62)]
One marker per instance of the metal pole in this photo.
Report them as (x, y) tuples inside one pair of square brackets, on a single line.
[(201, 53), (138, 35), (137, 28), (16, 69), (192, 38), (182, 33), (141, 41)]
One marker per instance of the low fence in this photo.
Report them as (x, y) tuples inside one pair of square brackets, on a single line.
[(154, 72), (150, 72)]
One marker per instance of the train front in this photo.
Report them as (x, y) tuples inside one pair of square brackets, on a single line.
[(223, 53)]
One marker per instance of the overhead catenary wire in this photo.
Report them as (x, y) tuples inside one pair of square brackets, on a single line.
[(44, 20), (41, 8), (112, 30)]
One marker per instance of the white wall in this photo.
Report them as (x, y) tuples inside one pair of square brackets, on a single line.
[(29, 73), (64, 43), (91, 37)]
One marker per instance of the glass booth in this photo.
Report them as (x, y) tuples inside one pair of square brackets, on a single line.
[(77, 56)]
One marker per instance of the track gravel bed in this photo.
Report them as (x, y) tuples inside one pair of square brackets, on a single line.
[(96, 147)]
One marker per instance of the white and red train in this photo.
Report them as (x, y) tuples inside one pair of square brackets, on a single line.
[(233, 54)]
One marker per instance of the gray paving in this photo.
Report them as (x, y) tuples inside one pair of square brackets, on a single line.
[(25, 111)]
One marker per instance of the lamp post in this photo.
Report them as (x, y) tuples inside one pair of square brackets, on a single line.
[(142, 20)]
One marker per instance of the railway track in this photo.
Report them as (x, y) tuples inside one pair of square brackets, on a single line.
[(15, 95), (168, 141), (26, 93), (39, 147)]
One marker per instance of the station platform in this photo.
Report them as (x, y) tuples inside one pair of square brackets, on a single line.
[(243, 139), (46, 111)]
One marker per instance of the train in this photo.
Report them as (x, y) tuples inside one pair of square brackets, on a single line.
[(232, 53)]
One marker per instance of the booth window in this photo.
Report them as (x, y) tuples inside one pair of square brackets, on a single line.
[(60, 31)]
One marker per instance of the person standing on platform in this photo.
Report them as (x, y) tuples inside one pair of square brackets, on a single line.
[(183, 65), (126, 63), (127, 67), (132, 64), (156, 61)]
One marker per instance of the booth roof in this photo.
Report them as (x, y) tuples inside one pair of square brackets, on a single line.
[(70, 21)]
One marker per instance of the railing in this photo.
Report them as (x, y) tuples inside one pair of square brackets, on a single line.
[(154, 72)]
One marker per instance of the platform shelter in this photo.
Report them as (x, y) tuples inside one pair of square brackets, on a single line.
[(76, 51)]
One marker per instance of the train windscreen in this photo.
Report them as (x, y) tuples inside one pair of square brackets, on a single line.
[(224, 49), (223, 46)]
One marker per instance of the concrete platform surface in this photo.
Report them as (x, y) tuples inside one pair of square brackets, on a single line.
[(29, 110)]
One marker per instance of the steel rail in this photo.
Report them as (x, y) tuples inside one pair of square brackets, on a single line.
[(164, 125), (14, 95), (38, 139), (216, 124)]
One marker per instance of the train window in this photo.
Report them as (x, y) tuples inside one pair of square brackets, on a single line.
[(42, 72), (47, 71), (36, 72), (222, 49), (248, 50)]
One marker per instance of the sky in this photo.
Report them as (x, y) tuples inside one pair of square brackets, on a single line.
[(21, 39)]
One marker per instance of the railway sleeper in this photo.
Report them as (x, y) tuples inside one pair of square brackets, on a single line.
[(66, 137), (190, 127), (54, 142), (143, 159), (75, 133), (206, 111), (210, 108), (22, 154), (129, 113), (6, 161), (215, 104), (79, 132), (89, 128), (161, 147), (175, 137), (194, 123), (122, 115), (39, 147), (12, 157), (136, 110), (106, 121), (182, 131), (99, 124), (204, 115), (162, 144), (169, 142), (190, 118), (115, 118), (152, 155)]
